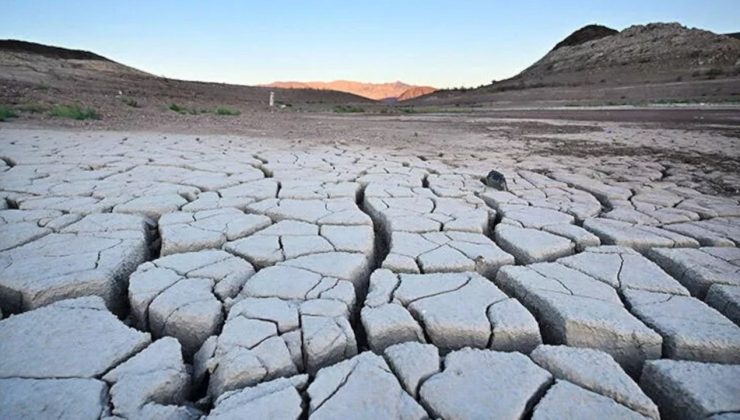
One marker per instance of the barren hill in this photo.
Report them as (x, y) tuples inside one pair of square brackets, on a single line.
[(585, 34), (654, 52), (376, 91), (597, 63), (39, 76), (415, 92)]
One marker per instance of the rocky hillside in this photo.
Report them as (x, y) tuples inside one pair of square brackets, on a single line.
[(597, 65), (657, 52), (376, 91), (585, 34)]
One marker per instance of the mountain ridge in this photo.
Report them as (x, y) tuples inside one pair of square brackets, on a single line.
[(377, 91)]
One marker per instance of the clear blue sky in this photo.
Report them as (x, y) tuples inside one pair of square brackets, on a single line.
[(440, 43)]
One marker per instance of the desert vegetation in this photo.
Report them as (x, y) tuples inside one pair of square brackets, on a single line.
[(74, 112)]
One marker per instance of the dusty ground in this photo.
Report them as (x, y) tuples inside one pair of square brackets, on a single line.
[(700, 143)]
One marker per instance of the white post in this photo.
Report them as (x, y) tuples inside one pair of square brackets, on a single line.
[(272, 99)]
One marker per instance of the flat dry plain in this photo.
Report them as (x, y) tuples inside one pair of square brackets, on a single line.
[(288, 265)]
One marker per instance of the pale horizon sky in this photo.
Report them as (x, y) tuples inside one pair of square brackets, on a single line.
[(434, 42)]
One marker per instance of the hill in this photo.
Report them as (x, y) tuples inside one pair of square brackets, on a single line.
[(376, 91), (37, 76), (14, 45), (585, 34), (596, 63), (415, 92)]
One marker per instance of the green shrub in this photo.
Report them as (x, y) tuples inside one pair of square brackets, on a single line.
[(348, 108), (74, 112), (178, 108), (226, 111), (33, 108), (7, 113), (185, 110), (130, 102)]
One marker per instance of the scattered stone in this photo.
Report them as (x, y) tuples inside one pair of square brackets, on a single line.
[(497, 180), (692, 390)]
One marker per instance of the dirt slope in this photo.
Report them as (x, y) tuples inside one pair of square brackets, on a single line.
[(39, 77)]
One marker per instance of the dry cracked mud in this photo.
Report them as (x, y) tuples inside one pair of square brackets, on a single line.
[(150, 276)]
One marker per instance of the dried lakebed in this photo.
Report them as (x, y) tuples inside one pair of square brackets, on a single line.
[(144, 276)]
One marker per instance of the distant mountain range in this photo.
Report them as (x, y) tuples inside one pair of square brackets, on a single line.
[(395, 91)]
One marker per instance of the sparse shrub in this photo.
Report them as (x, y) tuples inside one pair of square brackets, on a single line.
[(185, 110), (33, 108), (226, 111), (74, 112), (714, 72), (130, 102), (348, 108), (7, 113), (178, 108)]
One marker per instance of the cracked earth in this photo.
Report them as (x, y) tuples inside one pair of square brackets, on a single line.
[(181, 277)]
